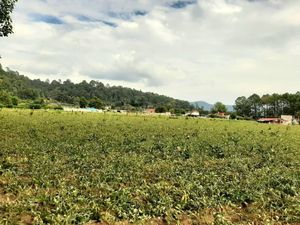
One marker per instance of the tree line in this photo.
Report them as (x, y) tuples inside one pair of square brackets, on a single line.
[(267, 105), (84, 94)]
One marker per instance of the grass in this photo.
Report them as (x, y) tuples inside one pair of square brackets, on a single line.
[(74, 168)]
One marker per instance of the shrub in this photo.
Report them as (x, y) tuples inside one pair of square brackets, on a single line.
[(161, 109), (15, 100), (23, 106), (58, 107), (213, 116), (233, 116), (54, 107), (35, 106)]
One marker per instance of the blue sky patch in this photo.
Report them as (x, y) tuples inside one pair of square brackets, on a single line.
[(120, 15), (111, 24), (182, 4), (140, 13), (127, 15), (91, 20), (85, 18), (46, 19)]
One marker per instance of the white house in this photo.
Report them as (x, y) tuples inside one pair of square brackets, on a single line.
[(193, 114), (287, 119)]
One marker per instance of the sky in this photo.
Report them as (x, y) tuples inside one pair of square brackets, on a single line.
[(212, 50)]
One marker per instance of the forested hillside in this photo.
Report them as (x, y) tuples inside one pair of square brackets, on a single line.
[(14, 87)]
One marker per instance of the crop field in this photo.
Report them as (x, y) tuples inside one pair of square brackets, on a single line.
[(74, 168)]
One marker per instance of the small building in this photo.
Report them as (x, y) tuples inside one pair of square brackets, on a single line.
[(269, 120), (193, 114), (221, 114), (287, 119), (150, 111)]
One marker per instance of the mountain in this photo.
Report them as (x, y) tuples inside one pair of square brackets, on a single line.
[(230, 108), (202, 104), (18, 86), (207, 106)]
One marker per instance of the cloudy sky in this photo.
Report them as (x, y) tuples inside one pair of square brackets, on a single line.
[(193, 50)]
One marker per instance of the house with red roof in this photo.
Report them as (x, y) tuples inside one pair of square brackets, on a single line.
[(269, 120)]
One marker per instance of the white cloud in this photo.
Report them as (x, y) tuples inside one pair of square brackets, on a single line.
[(212, 50)]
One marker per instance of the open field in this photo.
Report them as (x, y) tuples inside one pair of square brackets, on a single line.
[(74, 168)]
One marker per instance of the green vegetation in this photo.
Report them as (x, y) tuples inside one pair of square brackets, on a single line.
[(268, 105), (76, 168), (219, 107), (6, 8), (93, 94)]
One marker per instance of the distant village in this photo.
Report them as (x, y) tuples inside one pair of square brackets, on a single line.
[(283, 119)]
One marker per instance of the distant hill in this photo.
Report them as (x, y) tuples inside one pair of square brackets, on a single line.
[(15, 85), (202, 104), (207, 106)]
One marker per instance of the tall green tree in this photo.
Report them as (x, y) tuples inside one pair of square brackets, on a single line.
[(6, 8), (96, 103), (268, 105), (274, 104), (265, 101), (219, 107), (255, 103), (242, 106)]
